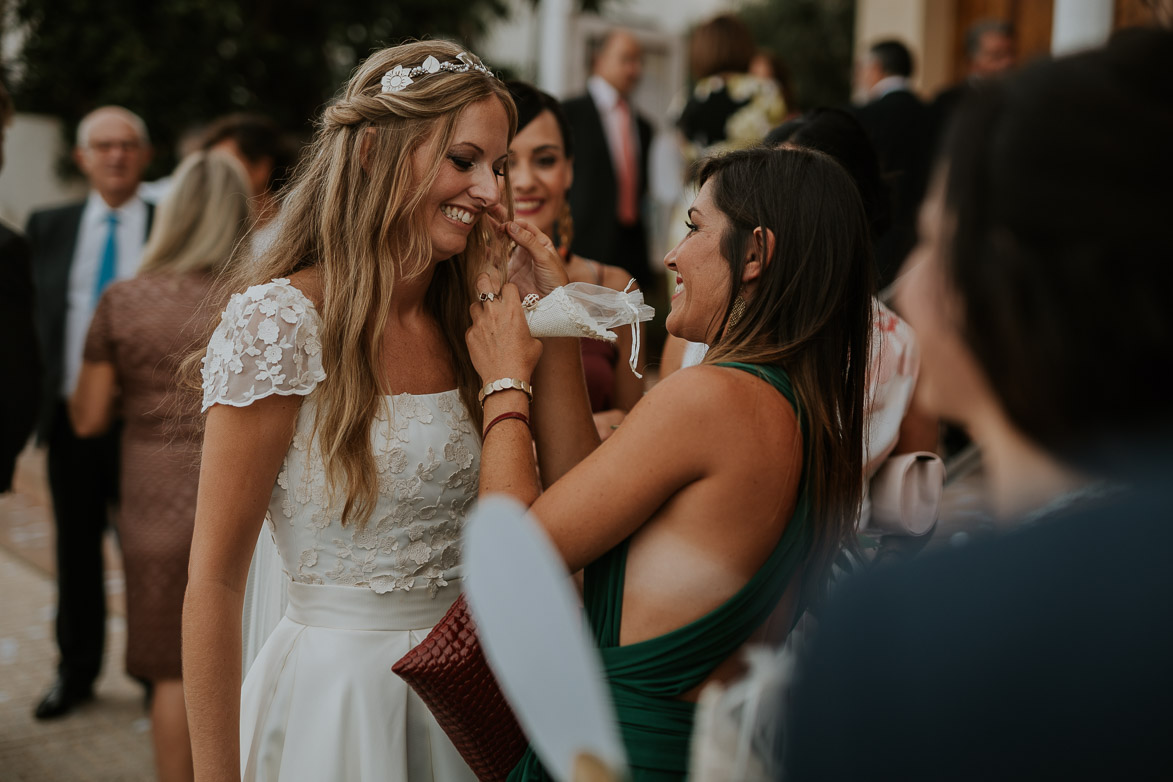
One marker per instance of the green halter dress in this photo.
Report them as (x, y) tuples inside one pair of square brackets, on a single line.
[(648, 678)]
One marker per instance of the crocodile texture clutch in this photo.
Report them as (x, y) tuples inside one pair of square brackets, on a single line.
[(449, 672)]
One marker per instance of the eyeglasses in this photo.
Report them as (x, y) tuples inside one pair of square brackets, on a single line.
[(106, 147)]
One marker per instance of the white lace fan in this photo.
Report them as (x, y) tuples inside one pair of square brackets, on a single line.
[(534, 637)]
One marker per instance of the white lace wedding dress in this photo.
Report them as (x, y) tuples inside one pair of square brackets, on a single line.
[(320, 702)]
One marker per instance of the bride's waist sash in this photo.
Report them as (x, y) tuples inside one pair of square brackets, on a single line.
[(360, 608)]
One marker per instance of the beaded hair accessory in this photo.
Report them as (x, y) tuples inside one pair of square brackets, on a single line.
[(398, 78)]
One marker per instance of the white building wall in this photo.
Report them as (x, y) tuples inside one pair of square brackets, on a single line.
[(661, 25), (29, 179), (1080, 24)]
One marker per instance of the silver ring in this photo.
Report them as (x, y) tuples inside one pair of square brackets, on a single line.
[(486, 296), (530, 301)]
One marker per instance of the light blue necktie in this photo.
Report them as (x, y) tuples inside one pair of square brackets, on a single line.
[(108, 266)]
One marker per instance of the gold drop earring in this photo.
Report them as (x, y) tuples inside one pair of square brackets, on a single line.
[(735, 313)]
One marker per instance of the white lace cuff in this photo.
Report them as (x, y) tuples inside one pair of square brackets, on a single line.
[(581, 309), (266, 343)]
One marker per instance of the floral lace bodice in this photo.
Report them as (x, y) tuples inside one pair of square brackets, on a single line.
[(427, 455)]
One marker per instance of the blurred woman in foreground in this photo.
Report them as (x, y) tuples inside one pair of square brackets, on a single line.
[(1040, 290)]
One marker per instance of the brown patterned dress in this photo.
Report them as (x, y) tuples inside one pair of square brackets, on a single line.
[(145, 327)]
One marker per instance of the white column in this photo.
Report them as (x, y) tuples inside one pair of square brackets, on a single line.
[(1080, 24), (554, 30)]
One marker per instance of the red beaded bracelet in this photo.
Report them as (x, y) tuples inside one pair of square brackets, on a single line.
[(504, 416)]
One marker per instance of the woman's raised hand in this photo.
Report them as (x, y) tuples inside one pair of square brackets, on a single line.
[(499, 341), (534, 265)]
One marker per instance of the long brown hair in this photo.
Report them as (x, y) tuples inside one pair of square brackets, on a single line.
[(349, 208), (810, 314)]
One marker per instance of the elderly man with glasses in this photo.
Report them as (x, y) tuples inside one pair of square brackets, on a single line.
[(77, 250)]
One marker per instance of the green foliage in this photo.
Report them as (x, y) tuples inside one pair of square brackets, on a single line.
[(815, 38), (179, 63)]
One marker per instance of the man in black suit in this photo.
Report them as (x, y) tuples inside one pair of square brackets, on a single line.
[(18, 348), (77, 250), (611, 143), (898, 123)]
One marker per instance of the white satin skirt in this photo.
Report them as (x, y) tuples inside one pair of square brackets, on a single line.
[(321, 703)]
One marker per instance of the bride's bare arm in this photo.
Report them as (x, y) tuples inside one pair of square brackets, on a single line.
[(242, 454)]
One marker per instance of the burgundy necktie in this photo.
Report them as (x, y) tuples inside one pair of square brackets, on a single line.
[(628, 201)]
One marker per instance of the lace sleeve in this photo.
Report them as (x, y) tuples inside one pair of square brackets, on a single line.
[(266, 343)]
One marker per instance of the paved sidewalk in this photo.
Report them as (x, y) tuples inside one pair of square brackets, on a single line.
[(105, 740)]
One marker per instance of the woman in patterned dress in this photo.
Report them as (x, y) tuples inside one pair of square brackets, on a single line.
[(343, 413), (141, 330)]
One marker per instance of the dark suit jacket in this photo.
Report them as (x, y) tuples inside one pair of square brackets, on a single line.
[(52, 234), (900, 128), (20, 393), (594, 194), (1042, 654)]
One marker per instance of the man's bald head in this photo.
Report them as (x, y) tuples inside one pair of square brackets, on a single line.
[(87, 123), (113, 150)]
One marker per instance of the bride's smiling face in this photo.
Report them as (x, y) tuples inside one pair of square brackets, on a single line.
[(703, 286), (467, 183)]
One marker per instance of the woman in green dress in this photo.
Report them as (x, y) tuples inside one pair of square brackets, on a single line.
[(708, 519)]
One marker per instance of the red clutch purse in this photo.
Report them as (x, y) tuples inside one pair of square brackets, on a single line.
[(449, 672)]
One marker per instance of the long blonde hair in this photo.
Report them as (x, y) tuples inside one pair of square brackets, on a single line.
[(201, 219), (348, 208)]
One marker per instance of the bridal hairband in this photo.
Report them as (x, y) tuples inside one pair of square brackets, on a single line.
[(398, 78)]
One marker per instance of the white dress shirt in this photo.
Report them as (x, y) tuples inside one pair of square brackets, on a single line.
[(605, 97), (83, 274), (888, 84)]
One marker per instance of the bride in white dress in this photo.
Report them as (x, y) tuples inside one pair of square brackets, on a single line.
[(343, 414)]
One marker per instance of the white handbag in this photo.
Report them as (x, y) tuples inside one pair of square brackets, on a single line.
[(581, 309), (906, 493)]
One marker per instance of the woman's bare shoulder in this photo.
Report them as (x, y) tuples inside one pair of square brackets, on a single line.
[(712, 422), (707, 378), (616, 278), (309, 283), (587, 270), (717, 396)]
